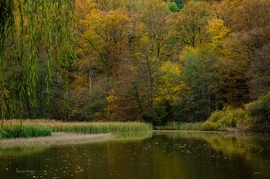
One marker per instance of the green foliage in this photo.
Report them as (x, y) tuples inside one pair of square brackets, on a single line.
[(34, 33), (203, 83), (6, 20), (260, 109), (17, 131), (259, 112), (173, 7), (209, 126), (189, 25), (178, 3), (255, 117), (228, 117), (37, 128)]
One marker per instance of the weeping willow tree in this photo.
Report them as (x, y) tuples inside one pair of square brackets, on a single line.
[(32, 32)]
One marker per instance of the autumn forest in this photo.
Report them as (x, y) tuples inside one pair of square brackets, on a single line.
[(134, 60)]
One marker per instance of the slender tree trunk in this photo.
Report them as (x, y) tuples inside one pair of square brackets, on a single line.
[(90, 75), (137, 97), (151, 83)]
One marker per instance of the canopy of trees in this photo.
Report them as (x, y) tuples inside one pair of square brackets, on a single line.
[(154, 60)]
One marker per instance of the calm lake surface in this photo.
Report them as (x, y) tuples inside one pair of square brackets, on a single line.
[(157, 155)]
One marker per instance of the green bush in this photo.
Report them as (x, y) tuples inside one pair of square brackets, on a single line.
[(260, 109), (211, 126), (173, 7), (259, 114), (227, 118)]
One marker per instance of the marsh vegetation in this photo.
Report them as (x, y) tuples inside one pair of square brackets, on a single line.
[(37, 128)]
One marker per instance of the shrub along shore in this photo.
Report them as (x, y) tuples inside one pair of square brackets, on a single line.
[(37, 128), (254, 117)]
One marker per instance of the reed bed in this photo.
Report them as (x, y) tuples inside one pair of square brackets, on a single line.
[(18, 131), (197, 126), (87, 127)]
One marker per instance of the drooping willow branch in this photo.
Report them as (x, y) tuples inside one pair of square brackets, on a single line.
[(32, 32)]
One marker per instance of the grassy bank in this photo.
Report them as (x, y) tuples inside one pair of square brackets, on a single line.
[(198, 126), (222, 120), (13, 127)]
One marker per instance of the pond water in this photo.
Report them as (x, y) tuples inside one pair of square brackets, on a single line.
[(159, 155)]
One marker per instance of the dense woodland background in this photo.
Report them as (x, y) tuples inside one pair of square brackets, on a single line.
[(135, 60)]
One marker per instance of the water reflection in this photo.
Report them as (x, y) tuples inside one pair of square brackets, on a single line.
[(162, 155)]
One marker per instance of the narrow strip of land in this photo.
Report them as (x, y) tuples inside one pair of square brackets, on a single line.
[(58, 138)]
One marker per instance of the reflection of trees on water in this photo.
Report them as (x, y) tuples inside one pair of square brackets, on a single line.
[(223, 150), (252, 148), (21, 151), (172, 155)]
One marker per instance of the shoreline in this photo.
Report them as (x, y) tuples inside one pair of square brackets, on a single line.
[(57, 138)]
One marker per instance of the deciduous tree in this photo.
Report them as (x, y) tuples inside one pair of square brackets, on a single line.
[(34, 33), (190, 24)]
